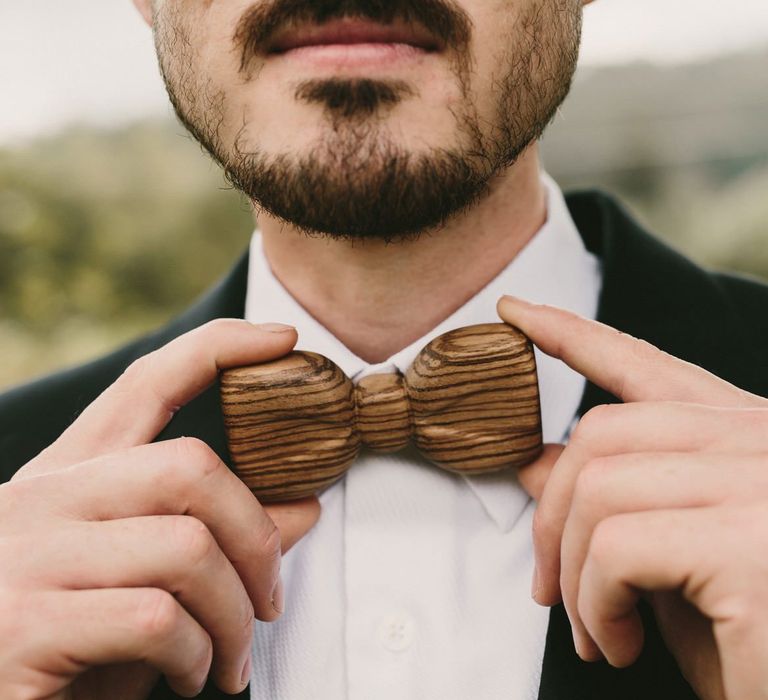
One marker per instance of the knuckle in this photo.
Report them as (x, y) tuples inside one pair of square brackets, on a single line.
[(213, 330), (644, 354), (590, 483), (19, 494), (23, 474), (270, 543), (543, 527), (135, 373), (594, 423), (192, 539), (195, 454), (644, 359), (204, 658), (247, 616), (607, 541), (738, 607), (157, 614), (645, 351)]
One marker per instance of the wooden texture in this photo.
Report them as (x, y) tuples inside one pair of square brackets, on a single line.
[(383, 412), (474, 399), (470, 402), (290, 425)]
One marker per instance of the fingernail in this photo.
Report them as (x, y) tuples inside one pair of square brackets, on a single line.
[(278, 597), (245, 677), (274, 327)]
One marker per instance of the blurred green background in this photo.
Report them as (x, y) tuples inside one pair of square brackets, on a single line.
[(107, 233)]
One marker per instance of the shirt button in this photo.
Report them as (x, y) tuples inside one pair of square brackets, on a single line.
[(396, 632)]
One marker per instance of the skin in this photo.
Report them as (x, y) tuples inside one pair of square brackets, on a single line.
[(141, 558), (117, 579), (107, 592), (348, 286), (663, 496)]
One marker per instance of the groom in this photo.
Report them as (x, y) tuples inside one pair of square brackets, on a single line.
[(390, 150)]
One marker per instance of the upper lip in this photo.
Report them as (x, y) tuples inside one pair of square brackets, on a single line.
[(353, 31)]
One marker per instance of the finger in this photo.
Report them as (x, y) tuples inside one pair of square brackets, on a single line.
[(628, 368), (533, 477), (626, 429), (77, 630), (177, 554), (743, 646), (680, 622), (642, 482), (134, 409), (649, 551), (181, 477), (294, 519)]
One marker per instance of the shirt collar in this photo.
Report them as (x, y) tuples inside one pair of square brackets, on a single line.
[(554, 268)]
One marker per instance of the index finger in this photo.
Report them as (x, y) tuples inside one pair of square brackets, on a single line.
[(629, 368), (142, 401)]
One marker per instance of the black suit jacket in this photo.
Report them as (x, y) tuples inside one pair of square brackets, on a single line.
[(717, 321)]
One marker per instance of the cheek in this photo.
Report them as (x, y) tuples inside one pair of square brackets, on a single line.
[(496, 41), (221, 85)]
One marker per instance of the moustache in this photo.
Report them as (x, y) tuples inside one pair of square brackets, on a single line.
[(444, 19)]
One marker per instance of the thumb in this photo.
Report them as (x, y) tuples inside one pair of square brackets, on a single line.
[(533, 477), (294, 519)]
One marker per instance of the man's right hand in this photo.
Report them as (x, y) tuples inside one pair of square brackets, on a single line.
[(121, 559)]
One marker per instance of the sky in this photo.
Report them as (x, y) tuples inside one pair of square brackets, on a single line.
[(92, 61)]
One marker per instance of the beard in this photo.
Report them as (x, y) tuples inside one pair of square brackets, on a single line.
[(357, 182)]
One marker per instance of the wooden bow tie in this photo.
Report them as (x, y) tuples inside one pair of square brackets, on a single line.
[(470, 402)]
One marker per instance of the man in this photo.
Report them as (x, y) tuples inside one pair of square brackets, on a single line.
[(404, 132)]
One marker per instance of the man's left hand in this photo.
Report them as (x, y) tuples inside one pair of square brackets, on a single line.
[(664, 496)]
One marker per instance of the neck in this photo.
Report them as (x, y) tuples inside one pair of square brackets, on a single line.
[(378, 298)]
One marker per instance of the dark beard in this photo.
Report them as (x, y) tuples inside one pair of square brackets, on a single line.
[(345, 100), (357, 183)]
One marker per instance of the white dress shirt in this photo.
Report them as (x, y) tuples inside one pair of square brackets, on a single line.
[(415, 583)]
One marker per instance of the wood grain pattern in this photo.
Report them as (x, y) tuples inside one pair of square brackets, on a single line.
[(383, 412), (474, 398), (470, 402), (290, 425)]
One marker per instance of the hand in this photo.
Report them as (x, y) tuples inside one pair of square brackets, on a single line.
[(122, 559), (664, 496)]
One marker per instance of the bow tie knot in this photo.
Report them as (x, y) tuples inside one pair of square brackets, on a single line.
[(469, 402), (383, 412)]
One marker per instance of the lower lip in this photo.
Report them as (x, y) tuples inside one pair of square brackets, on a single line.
[(354, 55)]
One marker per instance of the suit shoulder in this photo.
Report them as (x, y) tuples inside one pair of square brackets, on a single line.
[(749, 297), (34, 415), (748, 303)]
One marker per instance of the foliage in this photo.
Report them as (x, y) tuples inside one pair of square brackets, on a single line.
[(105, 234)]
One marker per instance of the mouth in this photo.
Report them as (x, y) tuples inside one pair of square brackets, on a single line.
[(354, 40)]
